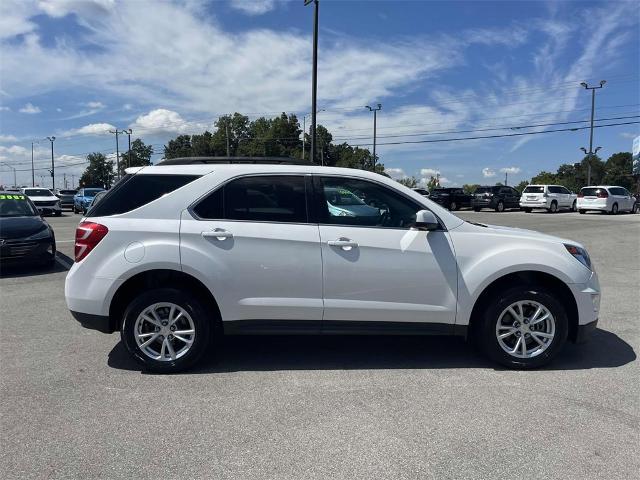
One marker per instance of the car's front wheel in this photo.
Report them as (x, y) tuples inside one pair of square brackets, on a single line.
[(500, 206), (453, 206), (524, 328), (166, 330)]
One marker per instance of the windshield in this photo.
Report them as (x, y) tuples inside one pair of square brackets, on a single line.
[(16, 206), (533, 189), (91, 192), (342, 197), (38, 192)]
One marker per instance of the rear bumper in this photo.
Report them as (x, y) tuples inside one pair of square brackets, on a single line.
[(592, 206), (101, 323), (534, 204)]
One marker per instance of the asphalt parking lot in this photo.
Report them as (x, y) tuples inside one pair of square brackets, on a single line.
[(74, 406)]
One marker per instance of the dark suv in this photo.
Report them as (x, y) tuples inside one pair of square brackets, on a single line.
[(451, 198), (495, 197)]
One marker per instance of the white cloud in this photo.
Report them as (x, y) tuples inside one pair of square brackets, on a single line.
[(91, 129), (4, 109), (15, 150), (511, 170), (127, 106), (95, 105), (429, 172), (629, 135), (7, 138), (488, 173), (395, 173), (163, 120), (254, 7), (30, 109)]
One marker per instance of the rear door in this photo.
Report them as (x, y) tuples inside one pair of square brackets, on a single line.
[(252, 242), (375, 267)]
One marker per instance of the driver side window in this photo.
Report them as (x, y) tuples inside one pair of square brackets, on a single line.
[(345, 201)]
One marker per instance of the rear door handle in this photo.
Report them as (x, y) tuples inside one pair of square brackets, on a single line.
[(218, 234), (345, 243)]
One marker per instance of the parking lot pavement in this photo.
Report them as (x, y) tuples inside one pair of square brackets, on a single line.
[(73, 405)]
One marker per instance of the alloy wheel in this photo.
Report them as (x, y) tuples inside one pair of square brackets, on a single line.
[(525, 329), (164, 331)]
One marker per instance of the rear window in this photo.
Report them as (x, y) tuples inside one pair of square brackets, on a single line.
[(591, 191), (134, 191), (534, 189), (38, 192), (67, 192)]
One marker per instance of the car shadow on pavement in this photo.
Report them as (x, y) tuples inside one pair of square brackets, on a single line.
[(276, 353), (15, 271)]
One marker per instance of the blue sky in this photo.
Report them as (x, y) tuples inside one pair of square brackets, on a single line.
[(75, 69)]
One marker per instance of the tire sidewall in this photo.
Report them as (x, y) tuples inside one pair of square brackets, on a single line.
[(500, 206), (453, 206), (191, 304), (489, 342)]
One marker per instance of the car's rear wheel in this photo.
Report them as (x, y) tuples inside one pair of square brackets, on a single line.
[(453, 206), (166, 330), (476, 209), (553, 208), (525, 328), (614, 209), (527, 210), (574, 206), (582, 212), (500, 206)]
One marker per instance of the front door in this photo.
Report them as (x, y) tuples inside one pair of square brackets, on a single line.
[(258, 254), (376, 268)]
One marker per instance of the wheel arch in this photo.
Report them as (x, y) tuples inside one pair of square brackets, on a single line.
[(158, 278), (528, 277)]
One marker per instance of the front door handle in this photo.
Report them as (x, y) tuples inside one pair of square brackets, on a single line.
[(345, 243), (218, 234)]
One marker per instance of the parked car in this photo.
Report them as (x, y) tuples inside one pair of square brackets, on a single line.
[(44, 200), (636, 203), (66, 198), (450, 198), (496, 197), (179, 254), (422, 191), (82, 200), (549, 197), (25, 237), (97, 198), (606, 199)]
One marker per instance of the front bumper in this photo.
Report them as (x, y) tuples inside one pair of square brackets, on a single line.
[(49, 209), (27, 251), (483, 203), (587, 296)]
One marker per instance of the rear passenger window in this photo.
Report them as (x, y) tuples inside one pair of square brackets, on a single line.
[(260, 199), (134, 191)]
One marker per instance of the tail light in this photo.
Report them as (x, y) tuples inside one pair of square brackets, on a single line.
[(602, 194), (581, 194), (88, 235)]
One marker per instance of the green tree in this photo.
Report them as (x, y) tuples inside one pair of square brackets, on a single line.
[(522, 185), (178, 147), (411, 182), (469, 188), (545, 178), (433, 183), (618, 169), (99, 172), (138, 156)]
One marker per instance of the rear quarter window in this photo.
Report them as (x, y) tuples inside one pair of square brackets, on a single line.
[(134, 191), (531, 189)]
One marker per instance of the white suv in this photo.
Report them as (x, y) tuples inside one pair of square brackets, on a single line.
[(549, 197), (606, 199), (178, 254)]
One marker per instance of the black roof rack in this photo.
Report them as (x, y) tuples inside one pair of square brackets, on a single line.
[(213, 160)]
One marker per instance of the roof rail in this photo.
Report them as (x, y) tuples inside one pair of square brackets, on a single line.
[(221, 160)]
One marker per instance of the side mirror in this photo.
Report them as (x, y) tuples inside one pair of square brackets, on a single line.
[(426, 220)]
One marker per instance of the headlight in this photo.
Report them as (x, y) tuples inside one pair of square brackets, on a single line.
[(40, 235), (579, 254)]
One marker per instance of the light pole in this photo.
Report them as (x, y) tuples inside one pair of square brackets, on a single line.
[(15, 182), (375, 111), (593, 109), (589, 155), (53, 168), (304, 130), (128, 132), (314, 79), (33, 174), (117, 132)]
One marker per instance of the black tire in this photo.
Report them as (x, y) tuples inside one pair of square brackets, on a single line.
[(476, 209), (614, 209), (74, 208), (203, 323), (50, 262), (58, 213), (500, 206), (527, 210), (636, 208), (574, 206), (453, 206), (486, 334), (582, 212), (554, 207)]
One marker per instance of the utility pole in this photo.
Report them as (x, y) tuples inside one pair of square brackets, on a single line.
[(593, 109), (33, 176), (73, 181), (117, 132), (53, 169), (314, 79), (15, 181), (227, 136), (64, 180), (129, 132), (375, 111), (506, 176)]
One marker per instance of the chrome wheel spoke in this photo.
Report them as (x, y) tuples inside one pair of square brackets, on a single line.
[(542, 334), (515, 333), (172, 352), (509, 333), (151, 340), (188, 341), (184, 332), (540, 342), (524, 346), (538, 320)]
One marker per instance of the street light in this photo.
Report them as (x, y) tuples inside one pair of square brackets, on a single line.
[(593, 108), (53, 168), (128, 132), (314, 79), (374, 110), (304, 130)]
